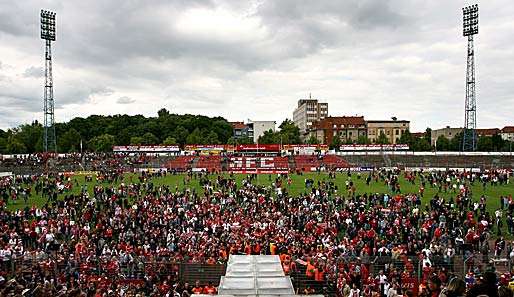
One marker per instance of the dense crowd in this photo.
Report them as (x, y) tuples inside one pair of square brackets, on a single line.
[(123, 237)]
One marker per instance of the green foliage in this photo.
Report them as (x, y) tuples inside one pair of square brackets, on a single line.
[(428, 135), (15, 145), (456, 142), (195, 137), (382, 138), (169, 141), (498, 142), (102, 143), (127, 130), (336, 143), (288, 134), (69, 141), (136, 140), (421, 145), (407, 138), (269, 137), (243, 140), (312, 140), (485, 144), (3, 145), (150, 139), (442, 144), (363, 140)]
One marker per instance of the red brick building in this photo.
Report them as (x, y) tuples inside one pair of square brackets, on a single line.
[(348, 128)]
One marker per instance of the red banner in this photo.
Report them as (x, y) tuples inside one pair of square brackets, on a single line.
[(258, 147)]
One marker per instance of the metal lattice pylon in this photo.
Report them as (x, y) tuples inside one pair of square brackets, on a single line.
[(48, 34), (470, 28), (469, 142), (50, 141)]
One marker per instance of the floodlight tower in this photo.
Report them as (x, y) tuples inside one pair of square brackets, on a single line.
[(48, 34), (470, 28)]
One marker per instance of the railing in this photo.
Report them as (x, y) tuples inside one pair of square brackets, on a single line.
[(134, 271)]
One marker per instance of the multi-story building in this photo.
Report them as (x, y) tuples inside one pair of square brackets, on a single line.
[(257, 128), (488, 132), (348, 129), (447, 132), (307, 112), (241, 130), (392, 129), (507, 133)]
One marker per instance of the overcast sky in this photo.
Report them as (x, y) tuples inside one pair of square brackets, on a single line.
[(254, 59)]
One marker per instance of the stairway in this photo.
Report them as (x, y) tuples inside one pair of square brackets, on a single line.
[(194, 162), (292, 165)]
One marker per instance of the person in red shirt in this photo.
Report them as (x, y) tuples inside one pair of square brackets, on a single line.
[(210, 289), (197, 289)]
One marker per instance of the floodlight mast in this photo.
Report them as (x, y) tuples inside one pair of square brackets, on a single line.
[(470, 28), (48, 34)]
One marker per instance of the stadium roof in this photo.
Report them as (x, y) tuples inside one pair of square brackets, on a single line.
[(508, 129)]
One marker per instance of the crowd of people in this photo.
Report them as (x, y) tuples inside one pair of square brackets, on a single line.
[(125, 236)]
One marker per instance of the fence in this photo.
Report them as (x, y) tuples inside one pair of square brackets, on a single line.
[(138, 270)]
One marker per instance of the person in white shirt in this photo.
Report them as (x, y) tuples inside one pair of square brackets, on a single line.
[(355, 292)]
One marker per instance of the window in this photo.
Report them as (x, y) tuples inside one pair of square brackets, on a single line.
[(350, 133), (388, 132), (397, 132)]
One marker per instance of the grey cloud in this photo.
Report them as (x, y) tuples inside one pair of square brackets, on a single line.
[(394, 51), (125, 100), (33, 71)]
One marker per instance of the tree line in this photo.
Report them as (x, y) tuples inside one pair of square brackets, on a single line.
[(100, 133)]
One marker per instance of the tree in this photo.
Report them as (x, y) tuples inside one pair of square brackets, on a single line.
[(336, 142), (102, 143), (290, 133), (363, 140), (169, 141), (136, 140), (456, 142), (181, 134), (421, 145), (69, 141), (15, 145), (212, 138), (498, 142), (442, 143), (428, 135), (269, 137), (163, 112), (382, 138), (3, 145), (242, 140), (312, 140), (407, 138), (150, 139), (31, 136), (195, 137), (485, 144)]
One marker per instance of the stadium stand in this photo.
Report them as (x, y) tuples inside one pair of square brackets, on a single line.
[(209, 163), (180, 163), (334, 162), (306, 163)]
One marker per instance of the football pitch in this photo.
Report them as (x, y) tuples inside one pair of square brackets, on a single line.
[(296, 188)]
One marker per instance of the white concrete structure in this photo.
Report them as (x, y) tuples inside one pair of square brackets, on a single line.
[(308, 112), (255, 275), (259, 127)]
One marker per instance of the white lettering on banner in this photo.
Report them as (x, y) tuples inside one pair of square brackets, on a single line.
[(250, 162), (267, 163)]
